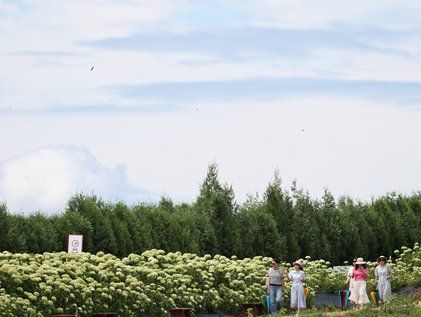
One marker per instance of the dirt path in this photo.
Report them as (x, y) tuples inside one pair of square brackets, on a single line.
[(323, 300)]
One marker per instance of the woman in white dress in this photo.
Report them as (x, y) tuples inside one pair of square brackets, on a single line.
[(297, 277), (359, 293), (383, 275)]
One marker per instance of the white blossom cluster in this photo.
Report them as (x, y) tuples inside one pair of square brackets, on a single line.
[(155, 281)]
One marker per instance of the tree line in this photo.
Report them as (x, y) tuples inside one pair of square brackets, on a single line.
[(286, 223)]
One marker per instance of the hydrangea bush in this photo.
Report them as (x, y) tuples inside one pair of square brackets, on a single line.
[(155, 281)]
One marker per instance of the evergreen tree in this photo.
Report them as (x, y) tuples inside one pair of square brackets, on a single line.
[(140, 229), (217, 200), (279, 204), (99, 215), (412, 218), (4, 216), (207, 240), (331, 242), (15, 235), (104, 236), (119, 221), (349, 229), (40, 234), (259, 232), (306, 226), (281, 224), (73, 223)]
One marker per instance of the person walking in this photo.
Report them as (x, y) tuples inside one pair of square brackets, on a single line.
[(349, 278), (275, 285), (297, 278), (383, 275), (359, 291)]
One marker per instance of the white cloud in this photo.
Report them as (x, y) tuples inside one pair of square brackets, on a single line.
[(57, 26), (305, 14), (87, 18), (352, 146), (36, 81), (44, 179)]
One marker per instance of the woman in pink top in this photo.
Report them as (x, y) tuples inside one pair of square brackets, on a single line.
[(359, 292)]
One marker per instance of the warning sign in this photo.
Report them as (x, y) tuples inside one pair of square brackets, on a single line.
[(75, 243)]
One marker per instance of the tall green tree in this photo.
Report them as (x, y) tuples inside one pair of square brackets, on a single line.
[(4, 216), (16, 234), (259, 231), (279, 204), (331, 241), (120, 222), (306, 226), (207, 240), (99, 215), (73, 223), (284, 223), (40, 234), (183, 232), (141, 230), (412, 218), (217, 201)]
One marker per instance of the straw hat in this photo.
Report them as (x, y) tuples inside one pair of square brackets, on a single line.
[(360, 261), (298, 262), (382, 257)]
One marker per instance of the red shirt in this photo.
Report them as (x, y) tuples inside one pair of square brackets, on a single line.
[(360, 274)]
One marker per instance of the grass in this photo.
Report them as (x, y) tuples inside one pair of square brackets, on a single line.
[(400, 306)]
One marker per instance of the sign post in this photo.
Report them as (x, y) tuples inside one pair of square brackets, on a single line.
[(75, 242)]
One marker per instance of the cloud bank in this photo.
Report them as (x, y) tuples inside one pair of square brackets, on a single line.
[(43, 179), (327, 91)]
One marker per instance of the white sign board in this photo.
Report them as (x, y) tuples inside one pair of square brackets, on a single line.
[(75, 243)]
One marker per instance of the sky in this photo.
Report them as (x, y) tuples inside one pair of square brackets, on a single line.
[(132, 100)]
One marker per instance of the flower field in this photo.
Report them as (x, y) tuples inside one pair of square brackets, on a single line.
[(155, 281)]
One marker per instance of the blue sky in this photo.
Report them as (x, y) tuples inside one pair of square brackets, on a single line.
[(328, 92)]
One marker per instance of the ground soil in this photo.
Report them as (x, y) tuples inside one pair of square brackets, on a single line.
[(324, 300)]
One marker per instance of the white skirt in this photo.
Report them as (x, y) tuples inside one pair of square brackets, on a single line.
[(298, 298), (385, 290), (359, 293)]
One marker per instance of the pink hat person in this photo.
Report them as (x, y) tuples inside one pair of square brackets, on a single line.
[(298, 262)]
